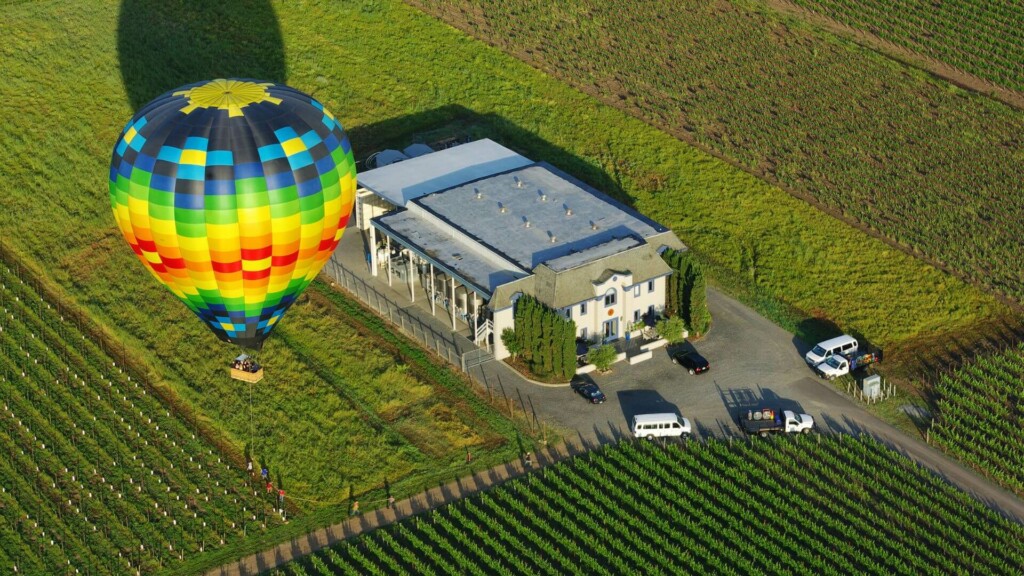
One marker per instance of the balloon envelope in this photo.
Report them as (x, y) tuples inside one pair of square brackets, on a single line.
[(234, 194)]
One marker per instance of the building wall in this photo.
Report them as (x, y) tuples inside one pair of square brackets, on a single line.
[(627, 303), (502, 319)]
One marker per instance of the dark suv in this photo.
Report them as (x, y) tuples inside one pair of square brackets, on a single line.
[(692, 361), (588, 389)]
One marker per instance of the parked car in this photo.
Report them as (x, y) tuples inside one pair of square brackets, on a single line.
[(692, 361), (653, 426), (588, 389), (844, 344), (842, 364), (767, 420)]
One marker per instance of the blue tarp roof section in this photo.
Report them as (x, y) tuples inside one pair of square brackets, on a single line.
[(389, 157), (403, 181), (414, 150)]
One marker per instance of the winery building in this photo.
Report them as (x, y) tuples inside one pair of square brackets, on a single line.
[(475, 226)]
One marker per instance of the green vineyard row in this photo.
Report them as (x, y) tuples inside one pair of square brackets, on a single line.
[(984, 38), (981, 412), (824, 505), (97, 475)]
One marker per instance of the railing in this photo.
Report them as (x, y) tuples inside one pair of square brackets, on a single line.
[(456, 349)]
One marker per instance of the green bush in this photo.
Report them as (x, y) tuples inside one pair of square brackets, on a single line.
[(512, 342), (671, 329), (602, 357)]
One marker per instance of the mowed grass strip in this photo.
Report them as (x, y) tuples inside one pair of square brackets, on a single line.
[(911, 157)]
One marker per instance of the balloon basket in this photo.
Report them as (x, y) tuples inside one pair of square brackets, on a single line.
[(251, 377), (246, 369)]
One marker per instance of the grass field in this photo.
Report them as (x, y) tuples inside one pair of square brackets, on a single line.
[(825, 505), (984, 38), (908, 156)]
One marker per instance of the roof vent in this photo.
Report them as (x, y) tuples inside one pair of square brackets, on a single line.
[(502, 208), (479, 194), (519, 183), (568, 211), (543, 196), (554, 238), (526, 222), (593, 225)]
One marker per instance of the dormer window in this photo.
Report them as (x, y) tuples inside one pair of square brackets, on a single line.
[(609, 297)]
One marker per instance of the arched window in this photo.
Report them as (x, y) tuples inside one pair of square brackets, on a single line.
[(609, 297)]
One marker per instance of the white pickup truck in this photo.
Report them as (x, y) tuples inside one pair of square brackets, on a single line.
[(842, 364), (766, 420)]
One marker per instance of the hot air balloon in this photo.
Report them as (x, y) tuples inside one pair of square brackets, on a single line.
[(233, 193)]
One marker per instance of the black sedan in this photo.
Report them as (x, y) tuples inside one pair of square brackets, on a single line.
[(692, 361), (588, 389)]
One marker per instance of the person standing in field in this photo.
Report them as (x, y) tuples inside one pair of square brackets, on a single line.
[(355, 508)]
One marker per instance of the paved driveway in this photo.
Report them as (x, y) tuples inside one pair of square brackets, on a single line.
[(753, 362)]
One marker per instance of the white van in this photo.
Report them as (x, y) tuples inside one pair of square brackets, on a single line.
[(844, 344), (657, 425)]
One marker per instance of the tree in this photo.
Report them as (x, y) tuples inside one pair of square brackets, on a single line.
[(671, 329), (569, 350), (510, 338), (547, 337), (699, 314), (557, 349), (602, 357)]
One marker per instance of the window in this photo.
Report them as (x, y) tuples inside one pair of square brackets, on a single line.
[(583, 309), (636, 290), (609, 297), (650, 286), (636, 316), (583, 333)]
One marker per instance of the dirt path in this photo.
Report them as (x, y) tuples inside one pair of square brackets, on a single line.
[(943, 70), (300, 546)]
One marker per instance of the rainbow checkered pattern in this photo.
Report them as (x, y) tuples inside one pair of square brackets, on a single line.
[(234, 194)]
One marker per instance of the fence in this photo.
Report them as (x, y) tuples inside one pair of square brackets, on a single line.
[(456, 349)]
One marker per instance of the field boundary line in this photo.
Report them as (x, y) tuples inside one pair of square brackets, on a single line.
[(426, 501)]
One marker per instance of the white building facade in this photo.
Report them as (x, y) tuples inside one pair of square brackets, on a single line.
[(474, 227)]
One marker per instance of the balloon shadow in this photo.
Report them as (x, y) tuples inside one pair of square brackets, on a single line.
[(163, 44)]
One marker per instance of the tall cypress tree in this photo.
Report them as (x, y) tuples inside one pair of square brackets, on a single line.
[(556, 344), (569, 350), (547, 327), (701, 316), (537, 331), (672, 285)]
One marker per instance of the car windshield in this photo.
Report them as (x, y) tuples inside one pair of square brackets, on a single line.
[(818, 351), (833, 361)]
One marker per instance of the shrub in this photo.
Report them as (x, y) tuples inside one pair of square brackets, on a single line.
[(602, 357), (671, 329)]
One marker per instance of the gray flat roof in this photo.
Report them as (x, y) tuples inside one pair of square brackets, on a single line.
[(566, 217), (472, 264), (403, 181)]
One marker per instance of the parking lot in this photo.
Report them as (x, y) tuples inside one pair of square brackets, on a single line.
[(753, 363)]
